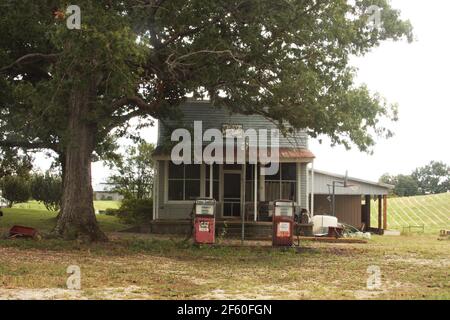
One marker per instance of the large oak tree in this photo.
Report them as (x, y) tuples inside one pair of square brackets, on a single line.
[(73, 91)]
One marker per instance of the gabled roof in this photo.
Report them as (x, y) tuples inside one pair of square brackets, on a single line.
[(212, 116), (342, 177)]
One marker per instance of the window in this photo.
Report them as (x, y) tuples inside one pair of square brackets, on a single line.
[(215, 181), (282, 185), (184, 181)]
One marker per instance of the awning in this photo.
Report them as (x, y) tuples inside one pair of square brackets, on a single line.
[(285, 154)]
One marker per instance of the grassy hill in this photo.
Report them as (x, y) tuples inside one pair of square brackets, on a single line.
[(432, 211)]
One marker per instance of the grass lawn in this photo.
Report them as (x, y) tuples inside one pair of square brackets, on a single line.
[(98, 205), (156, 267), (34, 214)]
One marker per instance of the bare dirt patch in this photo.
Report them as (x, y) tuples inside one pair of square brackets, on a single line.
[(268, 292), (131, 292)]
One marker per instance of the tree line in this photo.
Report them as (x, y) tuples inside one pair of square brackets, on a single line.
[(433, 178), (132, 178)]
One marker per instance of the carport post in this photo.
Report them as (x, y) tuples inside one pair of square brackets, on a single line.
[(333, 200), (379, 214), (385, 212), (367, 213)]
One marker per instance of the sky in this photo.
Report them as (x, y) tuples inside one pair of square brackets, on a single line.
[(413, 75), (416, 76)]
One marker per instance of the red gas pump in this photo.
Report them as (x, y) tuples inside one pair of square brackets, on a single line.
[(204, 221), (283, 223)]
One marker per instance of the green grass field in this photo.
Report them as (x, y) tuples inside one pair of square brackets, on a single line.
[(146, 266), (34, 214), (98, 205), (431, 211), (156, 267)]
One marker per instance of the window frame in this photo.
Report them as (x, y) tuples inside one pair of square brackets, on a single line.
[(250, 169), (280, 181), (168, 179), (216, 180)]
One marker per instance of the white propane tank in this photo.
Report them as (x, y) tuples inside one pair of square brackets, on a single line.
[(321, 224)]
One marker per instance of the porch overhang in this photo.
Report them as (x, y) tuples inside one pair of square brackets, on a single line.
[(299, 155)]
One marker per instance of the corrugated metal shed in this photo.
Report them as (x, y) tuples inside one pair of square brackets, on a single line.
[(324, 180)]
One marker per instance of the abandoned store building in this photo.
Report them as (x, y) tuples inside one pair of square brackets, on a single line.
[(241, 192)]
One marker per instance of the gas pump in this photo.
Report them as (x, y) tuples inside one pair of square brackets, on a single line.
[(283, 223), (204, 221)]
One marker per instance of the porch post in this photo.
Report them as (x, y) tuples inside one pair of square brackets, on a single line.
[(307, 187), (312, 189), (385, 212), (211, 180), (255, 196), (262, 189), (154, 191), (244, 169), (202, 180), (156, 200), (299, 184)]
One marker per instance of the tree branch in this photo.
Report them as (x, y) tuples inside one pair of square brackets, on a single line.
[(31, 58), (189, 32), (144, 107), (118, 120), (174, 63), (26, 144)]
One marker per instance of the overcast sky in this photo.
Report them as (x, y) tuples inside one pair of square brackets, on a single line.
[(416, 76)]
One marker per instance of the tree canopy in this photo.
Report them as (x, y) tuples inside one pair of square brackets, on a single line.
[(433, 178), (404, 185), (47, 189), (288, 60), (15, 189), (430, 179), (74, 91), (14, 162)]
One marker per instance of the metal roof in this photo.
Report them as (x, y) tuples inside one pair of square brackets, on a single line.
[(323, 181)]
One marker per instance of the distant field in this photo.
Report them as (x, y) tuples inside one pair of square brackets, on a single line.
[(34, 214), (432, 211), (98, 205), (45, 220)]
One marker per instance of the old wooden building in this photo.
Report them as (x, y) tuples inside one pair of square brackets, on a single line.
[(242, 192)]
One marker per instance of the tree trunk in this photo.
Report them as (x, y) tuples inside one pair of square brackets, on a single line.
[(77, 217), (62, 161)]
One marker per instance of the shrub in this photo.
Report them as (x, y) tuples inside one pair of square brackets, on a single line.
[(135, 211), (48, 190), (15, 189), (111, 212)]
